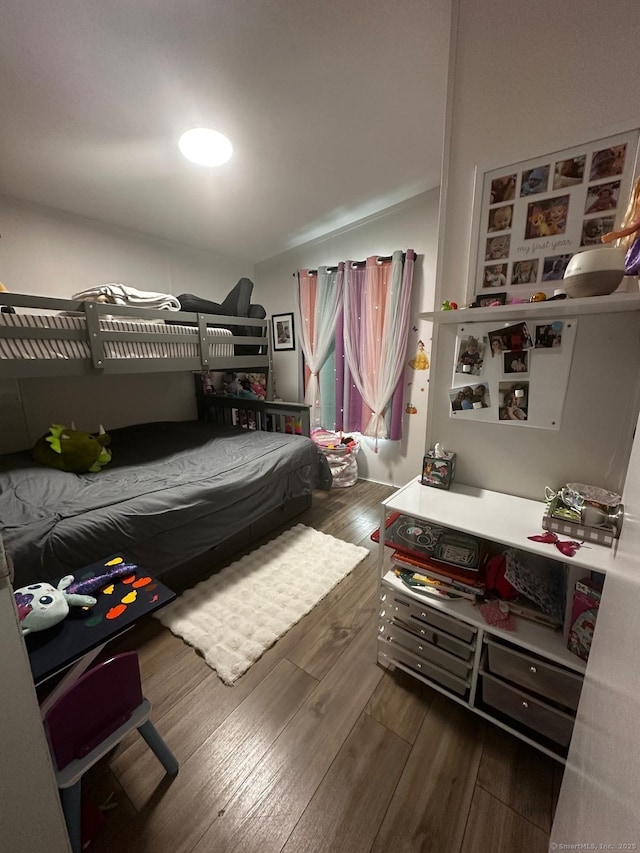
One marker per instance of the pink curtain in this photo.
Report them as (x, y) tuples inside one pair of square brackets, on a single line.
[(376, 325), (341, 403), (318, 304)]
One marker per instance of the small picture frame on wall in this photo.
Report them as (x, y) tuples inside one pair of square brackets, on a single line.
[(283, 332)]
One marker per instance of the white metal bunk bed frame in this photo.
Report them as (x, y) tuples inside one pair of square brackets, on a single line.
[(267, 414), (96, 338), (273, 416)]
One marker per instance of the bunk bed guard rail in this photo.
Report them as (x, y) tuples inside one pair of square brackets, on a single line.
[(112, 339)]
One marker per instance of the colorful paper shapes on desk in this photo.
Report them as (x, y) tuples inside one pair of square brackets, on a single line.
[(568, 547), (117, 570)]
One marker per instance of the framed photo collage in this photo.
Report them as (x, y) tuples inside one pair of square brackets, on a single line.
[(535, 215)]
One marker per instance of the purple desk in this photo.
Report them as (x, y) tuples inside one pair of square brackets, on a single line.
[(76, 641)]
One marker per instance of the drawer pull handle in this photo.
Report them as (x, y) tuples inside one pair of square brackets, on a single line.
[(420, 649), (533, 669), (382, 612), (383, 597), (419, 665), (525, 704), (422, 630)]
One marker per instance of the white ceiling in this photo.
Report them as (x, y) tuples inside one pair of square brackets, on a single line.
[(335, 109)]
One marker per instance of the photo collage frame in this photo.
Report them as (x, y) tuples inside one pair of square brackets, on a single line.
[(512, 372), (536, 214)]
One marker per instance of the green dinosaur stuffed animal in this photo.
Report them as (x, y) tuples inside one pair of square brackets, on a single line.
[(71, 450)]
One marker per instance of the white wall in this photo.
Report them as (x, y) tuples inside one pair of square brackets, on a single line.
[(411, 225), (46, 252), (31, 817), (528, 81), (601, 786)]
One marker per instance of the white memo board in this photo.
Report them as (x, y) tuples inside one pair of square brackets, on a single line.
[(544, 383)]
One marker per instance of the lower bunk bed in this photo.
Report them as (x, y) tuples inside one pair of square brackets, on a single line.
[(171, 492)]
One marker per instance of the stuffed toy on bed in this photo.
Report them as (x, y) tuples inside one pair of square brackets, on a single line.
[(72, 450)]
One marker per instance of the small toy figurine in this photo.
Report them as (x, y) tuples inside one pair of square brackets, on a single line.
[(628, 237), (538, 297), (447, 305)]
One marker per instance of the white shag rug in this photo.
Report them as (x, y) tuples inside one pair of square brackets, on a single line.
[(235, 615)]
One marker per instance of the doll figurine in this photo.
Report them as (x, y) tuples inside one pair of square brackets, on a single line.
[(628, 237)]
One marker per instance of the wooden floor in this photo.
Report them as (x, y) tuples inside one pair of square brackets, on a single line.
[(317, 748)]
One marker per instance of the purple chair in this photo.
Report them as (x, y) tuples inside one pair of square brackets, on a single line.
[(92, 717)]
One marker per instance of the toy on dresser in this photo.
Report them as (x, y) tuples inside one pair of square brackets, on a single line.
[(584, 612), (588, 513)]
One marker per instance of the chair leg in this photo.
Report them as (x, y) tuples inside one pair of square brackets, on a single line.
[(71, 806), (159, 747)]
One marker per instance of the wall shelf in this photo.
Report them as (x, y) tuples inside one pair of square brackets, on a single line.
[(615, 303)]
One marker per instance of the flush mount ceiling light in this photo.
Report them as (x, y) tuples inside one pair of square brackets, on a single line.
[(205, 147)]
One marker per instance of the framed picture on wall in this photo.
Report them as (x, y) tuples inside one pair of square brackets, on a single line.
[(283, 332), (531, 217)]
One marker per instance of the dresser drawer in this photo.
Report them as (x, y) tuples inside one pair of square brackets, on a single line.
[(425, 650), (523, 708), (414, 612), (438, 638), (393, 652), (553, 682)]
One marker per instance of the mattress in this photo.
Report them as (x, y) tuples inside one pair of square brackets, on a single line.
[(171, 492), (49, 348)]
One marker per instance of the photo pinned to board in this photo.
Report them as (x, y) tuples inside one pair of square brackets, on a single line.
[(513, 401), (471, 356), (549, 335), (514, 337), (516, 362), (470, 398)]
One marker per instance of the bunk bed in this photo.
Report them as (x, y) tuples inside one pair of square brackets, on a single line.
[(172, 490)]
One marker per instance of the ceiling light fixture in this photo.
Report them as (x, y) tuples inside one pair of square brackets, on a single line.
[(205, 147)]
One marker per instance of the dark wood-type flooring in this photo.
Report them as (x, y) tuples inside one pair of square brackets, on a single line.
[(317, 748)]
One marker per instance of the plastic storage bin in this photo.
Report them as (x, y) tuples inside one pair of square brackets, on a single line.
[(341, 455)]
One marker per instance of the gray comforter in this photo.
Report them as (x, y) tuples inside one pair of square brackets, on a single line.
[(172, 491)]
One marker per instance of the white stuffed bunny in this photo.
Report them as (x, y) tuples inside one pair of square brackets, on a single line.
[(41, 605)]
